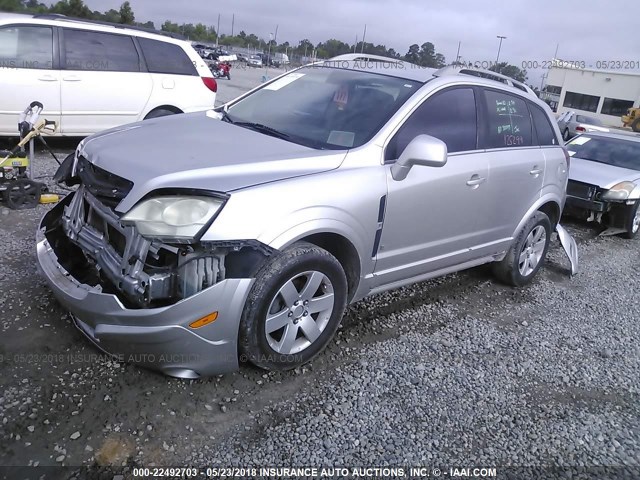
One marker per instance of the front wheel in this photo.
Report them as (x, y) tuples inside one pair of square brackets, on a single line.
[(633, 221), (293, 309), (527, 253)]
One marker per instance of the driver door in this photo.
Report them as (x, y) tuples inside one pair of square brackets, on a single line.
[(437, 217)]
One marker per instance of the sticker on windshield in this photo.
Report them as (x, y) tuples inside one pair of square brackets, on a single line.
[(343, 139), (571, 153), (579, 141), (284, 81)]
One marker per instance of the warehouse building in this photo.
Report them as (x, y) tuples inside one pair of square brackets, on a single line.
[(604, 94)]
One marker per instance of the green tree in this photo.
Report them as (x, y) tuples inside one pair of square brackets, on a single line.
[(126, 14), (11, 6), (72, 8), (510, 71)]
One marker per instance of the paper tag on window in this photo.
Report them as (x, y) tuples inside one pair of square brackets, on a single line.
[(341, 97), (571, 153), (579, 141)]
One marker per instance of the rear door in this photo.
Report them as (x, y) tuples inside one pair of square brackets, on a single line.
[(103, 81), (28, 72), (517, 164)]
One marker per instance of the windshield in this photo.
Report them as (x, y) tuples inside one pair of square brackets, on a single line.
[(588, 120), (611, 151), (323, 107)]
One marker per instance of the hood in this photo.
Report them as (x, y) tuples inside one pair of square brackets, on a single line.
[(199, 151), (600, 174)]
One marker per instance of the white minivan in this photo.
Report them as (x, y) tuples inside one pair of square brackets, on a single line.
[(91, 76)]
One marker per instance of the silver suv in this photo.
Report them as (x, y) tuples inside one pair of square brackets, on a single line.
[(197, 240)]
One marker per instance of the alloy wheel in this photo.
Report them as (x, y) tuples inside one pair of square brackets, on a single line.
[(299, 312), (532, 251)]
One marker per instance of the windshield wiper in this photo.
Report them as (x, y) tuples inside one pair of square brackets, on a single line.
[(259, 127), (225, 114)]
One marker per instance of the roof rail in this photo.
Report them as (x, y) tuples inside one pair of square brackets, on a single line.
[(64, 18), (488, 74), (349, 57)]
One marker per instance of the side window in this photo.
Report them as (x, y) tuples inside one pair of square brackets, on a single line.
[(26, 47), (97, 51), (508, 121), (544, 131), (449, 116), (163, 57)]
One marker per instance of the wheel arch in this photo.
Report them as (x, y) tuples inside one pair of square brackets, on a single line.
[(171, 108), (344, 251), (552, 210)]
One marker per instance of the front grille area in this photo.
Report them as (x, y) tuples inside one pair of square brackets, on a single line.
[(106, 187), (142, 272), (581, 190)]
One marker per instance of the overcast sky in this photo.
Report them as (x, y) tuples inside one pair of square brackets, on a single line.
[(589, 30)]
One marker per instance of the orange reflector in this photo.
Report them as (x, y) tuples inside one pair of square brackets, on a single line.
[(204, 320)]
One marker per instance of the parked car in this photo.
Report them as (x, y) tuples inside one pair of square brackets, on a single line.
[(93, 76), (254, 61), (244, 232), (572, 124), (604, 180)]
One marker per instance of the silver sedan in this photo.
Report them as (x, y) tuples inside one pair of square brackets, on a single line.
[(604, 181), (572, 124)]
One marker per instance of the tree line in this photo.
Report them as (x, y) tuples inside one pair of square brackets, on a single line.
[(424, 54)]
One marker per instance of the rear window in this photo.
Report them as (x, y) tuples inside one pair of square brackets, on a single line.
[(26, 47), (509, 123), (544, 131), (163, 57), (97, 51)]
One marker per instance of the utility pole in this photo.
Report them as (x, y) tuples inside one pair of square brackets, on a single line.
[(233, 21), (364, 35), (218, 33), (458, 53), (501, 37), (355, 45)]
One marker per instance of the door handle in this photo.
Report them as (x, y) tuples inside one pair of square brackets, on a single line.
[(48, 78), (72, 78), (535, 171), (475, 181)]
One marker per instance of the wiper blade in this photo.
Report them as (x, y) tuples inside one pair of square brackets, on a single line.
[(225, 115), (259, 127)]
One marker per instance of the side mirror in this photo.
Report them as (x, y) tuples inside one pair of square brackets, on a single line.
[(423, 150)]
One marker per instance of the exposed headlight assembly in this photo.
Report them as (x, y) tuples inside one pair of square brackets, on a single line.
[(619, 192), (178, 218)]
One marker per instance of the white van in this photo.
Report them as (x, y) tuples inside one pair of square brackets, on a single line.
[(91, 76)]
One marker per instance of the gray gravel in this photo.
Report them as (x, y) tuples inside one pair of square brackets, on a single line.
[(548, 375), (455, 371)]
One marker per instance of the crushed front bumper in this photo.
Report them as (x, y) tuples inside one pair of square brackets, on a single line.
[(157, 338)]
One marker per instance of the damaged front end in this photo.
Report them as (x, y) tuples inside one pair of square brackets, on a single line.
[(97, 248)]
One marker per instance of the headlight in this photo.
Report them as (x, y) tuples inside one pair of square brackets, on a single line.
[(619, 192), (173, 217)]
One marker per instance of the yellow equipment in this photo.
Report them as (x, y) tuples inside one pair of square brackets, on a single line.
[(17, 189), (632, 119)]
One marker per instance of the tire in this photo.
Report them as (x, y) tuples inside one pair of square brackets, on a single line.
[(565, 135), (22, 194), (527, 253), (280, 289), (159, 112), (632, 223), (228, 76), (635, 126)]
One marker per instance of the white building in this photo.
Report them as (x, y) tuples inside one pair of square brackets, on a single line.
[(604, 94)]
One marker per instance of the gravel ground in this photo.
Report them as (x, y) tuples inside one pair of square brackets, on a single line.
[(458, 371)]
